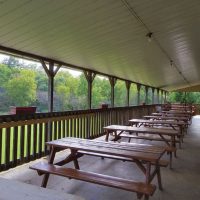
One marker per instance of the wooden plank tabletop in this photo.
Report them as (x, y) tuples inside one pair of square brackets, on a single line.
[(145, 121), (134, 151), (161, 131), (177, 118), (177, 112)]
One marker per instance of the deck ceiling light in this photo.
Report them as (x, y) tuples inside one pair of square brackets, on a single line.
[(171, 63), (149, 36)]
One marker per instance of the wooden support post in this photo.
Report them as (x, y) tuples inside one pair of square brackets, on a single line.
[(51, 72), (165, 97), (128, 85), (161, 97), (153, 90), (146, 94), (113, 81), (89, 75), (158, 99), (138, 94)]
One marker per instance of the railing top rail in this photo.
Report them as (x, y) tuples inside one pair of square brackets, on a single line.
[(49, 115)]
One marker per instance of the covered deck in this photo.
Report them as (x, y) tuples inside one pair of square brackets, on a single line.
[(150, 44), (181, 182)]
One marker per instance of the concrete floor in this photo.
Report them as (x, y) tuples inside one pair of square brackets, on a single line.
[(182, 182)]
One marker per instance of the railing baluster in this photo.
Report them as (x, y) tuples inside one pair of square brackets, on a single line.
[(7, 147), (56, 130), (40, 133), (29, 142), (70, 128), (1, 146), (59, 129), (35, 141), (46, 132), (22, 144), (63, 128)]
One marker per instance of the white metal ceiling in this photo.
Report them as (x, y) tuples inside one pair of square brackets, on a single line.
[(110, 36)]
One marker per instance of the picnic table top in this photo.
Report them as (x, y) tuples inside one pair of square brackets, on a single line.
[(166, 117), (178, 112), (161, 131), (143, 152), (170, 122)]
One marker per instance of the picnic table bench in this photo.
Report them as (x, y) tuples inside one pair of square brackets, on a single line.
[(144, 156)]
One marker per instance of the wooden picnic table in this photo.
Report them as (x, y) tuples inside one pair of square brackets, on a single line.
[(186, 113), (146, 157), (161, 122), (182, 107), (158, 116), (170, 123), (118, 131)]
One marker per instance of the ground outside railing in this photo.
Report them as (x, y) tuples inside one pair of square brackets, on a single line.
[(23, 137)]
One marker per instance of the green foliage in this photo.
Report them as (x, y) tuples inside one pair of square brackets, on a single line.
[(5, 74), (41, 80), (120, 93), (133, 94), (142, 94), (21, 89), (182, 97), (66, 89), (100, 92)]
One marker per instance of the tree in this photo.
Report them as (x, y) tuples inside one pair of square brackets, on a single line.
[(5, 74), (120, 93), (133, 94), (82, 91), (66, 90), (41, 80), (100, 92), (21, 89)]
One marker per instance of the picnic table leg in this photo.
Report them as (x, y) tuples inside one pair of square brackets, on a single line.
[(75, 160), (148, 172), (159, 177), (107, 135), (146, 197), (173, 143), (51, 159)]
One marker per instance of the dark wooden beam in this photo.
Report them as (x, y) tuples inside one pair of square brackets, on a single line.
[(158, 98), (161, 97), (89, 77), (146, 94), (138, 93), (128, 85), (51, 72), (165, 100), (113, 81), (153, 90)]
